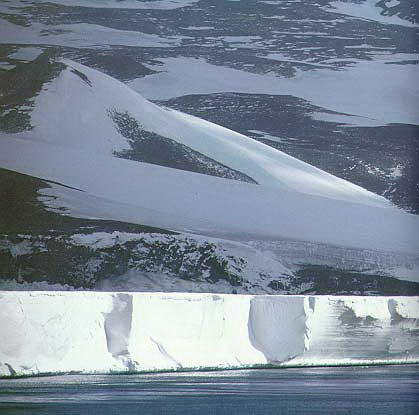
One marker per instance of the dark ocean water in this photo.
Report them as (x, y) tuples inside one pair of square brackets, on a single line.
[(349, 390)]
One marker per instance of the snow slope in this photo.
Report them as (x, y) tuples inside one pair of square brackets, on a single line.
[(118, 189), (292, 200), (81, 113), (89, 332)]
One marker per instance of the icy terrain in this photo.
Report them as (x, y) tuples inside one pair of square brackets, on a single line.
[(388, 92), (258, 170), (80, 103), (381, 11), (292, 198), (122, 261), (120, 157), (59, 332)]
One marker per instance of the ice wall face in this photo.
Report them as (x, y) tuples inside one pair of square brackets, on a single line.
[(89, 332)]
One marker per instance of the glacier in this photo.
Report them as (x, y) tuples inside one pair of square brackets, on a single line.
[(99, 332)]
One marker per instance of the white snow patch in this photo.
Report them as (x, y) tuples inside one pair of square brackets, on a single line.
[(346, 120), (271, 137), (99, 240), (368, 9), (27, 54), (385, 93), (118, 4), (85, 127), (83, 35), (396, 172), (197, 28), (280, 57)]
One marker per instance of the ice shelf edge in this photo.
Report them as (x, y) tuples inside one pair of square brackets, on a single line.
[(99, 332)]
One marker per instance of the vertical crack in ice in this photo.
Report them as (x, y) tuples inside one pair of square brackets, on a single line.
[(312, 303), (309, 308), (19, 300), (165, 353), (118, 329)]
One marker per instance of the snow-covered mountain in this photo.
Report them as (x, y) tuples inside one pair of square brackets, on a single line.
[(98, 150), (99, 116)]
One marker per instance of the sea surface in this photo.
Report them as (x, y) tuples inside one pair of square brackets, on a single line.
[(344, 390)]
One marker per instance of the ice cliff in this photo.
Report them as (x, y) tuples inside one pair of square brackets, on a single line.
[(92, 332)]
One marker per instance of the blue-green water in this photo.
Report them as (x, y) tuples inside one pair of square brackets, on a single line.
[(350, 390)]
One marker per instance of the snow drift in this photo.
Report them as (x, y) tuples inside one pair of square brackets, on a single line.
[(88, 332)]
